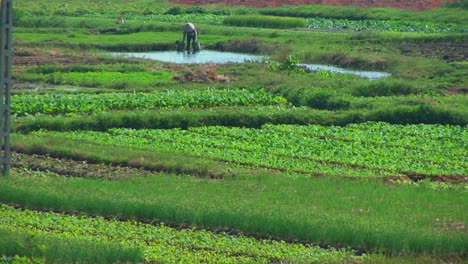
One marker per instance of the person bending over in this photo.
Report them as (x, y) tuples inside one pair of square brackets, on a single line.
[(190, 33)]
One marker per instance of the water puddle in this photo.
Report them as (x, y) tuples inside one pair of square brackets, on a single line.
[(365, 74), (210, 56), (199, 57)]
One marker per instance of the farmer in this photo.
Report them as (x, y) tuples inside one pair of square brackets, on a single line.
[(190, 32)]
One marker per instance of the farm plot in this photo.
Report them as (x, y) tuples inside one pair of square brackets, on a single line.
[(134, 241), (382, 25), (125, 149), (60, 104), (360, 150)]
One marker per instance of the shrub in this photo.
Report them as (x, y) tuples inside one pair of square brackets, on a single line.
[(195, 10), (385, 88), (326, 100), (175, 10), (460, 3), (422, 113), (252, 45)]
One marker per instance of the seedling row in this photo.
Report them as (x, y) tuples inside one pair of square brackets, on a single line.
[(309, 149), (155, 242)]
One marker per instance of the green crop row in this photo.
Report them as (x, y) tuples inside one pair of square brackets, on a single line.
[(86, 68), (116, 80), (443, 15), (159, 243), (264, 21), (357, 150), (182, 18), (18, 245), (148, 8), (133, 22), (240, 117), (88, 7), (365, 215), (384, 25), (60, 104)]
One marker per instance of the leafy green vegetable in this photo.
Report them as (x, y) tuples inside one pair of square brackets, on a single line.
[(371, 149)]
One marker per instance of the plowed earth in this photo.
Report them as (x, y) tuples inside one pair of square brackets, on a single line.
[(27, 57)]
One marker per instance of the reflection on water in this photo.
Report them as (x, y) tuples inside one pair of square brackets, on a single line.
[(199, 57), (210, 56)]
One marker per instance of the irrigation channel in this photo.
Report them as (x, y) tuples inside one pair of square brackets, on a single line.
[(209, 56)]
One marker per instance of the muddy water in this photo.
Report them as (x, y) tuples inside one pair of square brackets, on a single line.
[(210, 56)]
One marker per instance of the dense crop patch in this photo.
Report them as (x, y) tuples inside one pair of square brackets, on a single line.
[(59, 104), (382, 25), (264, 21), (443, 15), (117, 80), (88, 7), (236, 147), (360, 214), (159, 243), (183, 18), (106, 24), (357, 150)]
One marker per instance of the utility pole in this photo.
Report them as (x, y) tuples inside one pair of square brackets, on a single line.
[(6, 52)]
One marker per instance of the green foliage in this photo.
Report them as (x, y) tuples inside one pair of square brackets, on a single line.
[(244, 197), (181, 18), (90, 7), (364, 152), (246, 117), (316, 98), (37, 246), (64, 23), (388, 87), (319, 210), (263, 21), (163, 244), (250, 45), (92, 76), (444, 15), (83, 68), (325, 99), (60, 104), (175, 10), (420, 113), (154, 160), (290, 65), (458, 4), (382, 25)]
